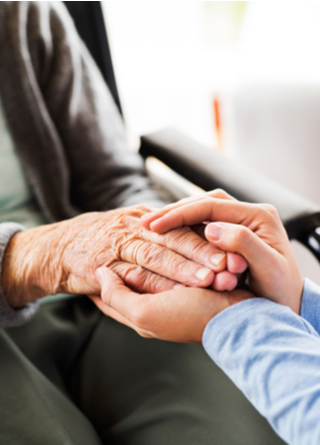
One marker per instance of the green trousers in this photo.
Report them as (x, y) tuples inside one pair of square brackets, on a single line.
[(75, 376)]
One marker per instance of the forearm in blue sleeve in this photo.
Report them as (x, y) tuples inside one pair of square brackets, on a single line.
[(273, 356), (310, 304)]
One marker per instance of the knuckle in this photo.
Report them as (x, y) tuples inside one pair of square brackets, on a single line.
[(160, 258), (272, 216), (178, 267), (264, 213), (148, 253), (271, 209), (153, 255), (218, 193)]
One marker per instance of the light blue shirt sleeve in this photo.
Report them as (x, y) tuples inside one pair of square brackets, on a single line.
[(273, 356), (310, 304)]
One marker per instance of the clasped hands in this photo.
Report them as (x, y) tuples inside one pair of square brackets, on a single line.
[(151, 271), (253, 231), (63, 257)]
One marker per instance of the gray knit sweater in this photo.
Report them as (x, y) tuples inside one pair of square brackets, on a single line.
[(66, 128)]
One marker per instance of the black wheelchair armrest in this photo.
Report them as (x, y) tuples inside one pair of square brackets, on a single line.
[(209, 169)]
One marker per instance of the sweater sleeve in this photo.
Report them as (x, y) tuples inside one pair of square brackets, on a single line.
[(67, 130), (273, 356), (105, 173), (10, 317)]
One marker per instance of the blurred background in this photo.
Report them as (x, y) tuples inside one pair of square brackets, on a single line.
[(240, 77)]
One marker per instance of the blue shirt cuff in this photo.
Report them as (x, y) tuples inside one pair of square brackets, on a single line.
[(230, 319), (310, 304), (244, 316)]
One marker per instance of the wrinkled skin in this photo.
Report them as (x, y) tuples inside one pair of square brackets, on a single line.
[(63, 257)]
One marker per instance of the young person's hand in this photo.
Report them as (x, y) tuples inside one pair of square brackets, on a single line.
[(179, 315), (251, 230), (235, 266)]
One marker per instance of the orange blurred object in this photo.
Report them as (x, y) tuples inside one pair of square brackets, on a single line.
[(217, 121)]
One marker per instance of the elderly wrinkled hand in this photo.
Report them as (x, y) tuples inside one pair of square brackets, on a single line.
[(63, 257), (179, 315)]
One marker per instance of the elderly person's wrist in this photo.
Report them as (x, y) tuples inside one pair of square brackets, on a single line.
[(25, 274)]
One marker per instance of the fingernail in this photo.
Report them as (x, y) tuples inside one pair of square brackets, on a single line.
[(214, 231), (101, 273), (178, 286), (202, 273), (217, 258)]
